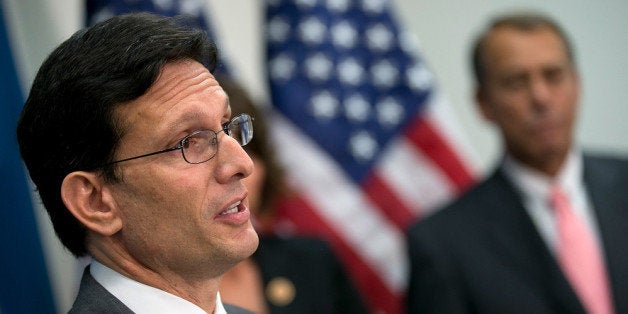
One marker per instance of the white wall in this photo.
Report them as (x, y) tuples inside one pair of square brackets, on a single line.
[(445, 29)]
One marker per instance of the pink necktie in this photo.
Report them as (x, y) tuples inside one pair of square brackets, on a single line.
[(580, 257)]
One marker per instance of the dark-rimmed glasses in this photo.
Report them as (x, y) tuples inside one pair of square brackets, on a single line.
[(202, 145)]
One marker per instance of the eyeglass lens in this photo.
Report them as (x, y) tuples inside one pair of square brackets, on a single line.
[(201, 146)]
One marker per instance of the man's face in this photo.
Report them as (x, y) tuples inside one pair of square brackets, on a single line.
[(531, 93), (174, 214)]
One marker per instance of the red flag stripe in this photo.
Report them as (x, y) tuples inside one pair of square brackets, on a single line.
[(424, 135), (337, 200), (387, 201), (308, 222)]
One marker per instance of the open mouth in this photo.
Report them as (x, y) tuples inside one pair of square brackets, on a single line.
[(234, 208)]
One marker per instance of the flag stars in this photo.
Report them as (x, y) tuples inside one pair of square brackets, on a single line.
[(389, 112), (363, 146), (312, 31), (282, 67), (324, 105), (344, 35), (384, 74), (379, 38), (419, 78), (408, 42), (191, 7), (164, 5), (338, 6), (374, 6), (357, 109), (278, 29), (350, 72), (102, 14), (318, 67)]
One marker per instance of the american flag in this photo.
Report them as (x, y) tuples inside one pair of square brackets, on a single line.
[(193, 10), (365, 136)]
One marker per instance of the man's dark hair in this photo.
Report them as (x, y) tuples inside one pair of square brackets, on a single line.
[(525, 22), (68, 122)]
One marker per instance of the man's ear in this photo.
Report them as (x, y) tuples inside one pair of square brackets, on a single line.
[(90, 201)]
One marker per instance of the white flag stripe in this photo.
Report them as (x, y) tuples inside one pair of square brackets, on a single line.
[(342, 205), (421, 184), (442, 116)]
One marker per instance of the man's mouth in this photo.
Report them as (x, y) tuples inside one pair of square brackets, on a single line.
[(234, 208)]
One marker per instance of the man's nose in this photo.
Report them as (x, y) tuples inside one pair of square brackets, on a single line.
[(233, 161), (540, 93)]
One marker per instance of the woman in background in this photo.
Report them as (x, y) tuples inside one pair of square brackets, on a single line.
[(285, 274)]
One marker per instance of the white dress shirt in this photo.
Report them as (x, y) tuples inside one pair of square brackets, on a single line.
[(141, 298), (536, 187)]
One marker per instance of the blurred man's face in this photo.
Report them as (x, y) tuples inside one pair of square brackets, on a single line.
[(531, 93), (181, 218)]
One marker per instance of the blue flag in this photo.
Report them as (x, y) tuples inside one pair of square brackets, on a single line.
[(99, 10), (24, 283)]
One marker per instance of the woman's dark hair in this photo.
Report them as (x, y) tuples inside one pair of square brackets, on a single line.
[(68, 122)]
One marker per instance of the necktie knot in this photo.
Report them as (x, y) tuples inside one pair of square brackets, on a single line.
[(558, 198)]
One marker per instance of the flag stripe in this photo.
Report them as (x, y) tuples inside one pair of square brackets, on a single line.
[(369, 283), (424, 135), (414, 177), (387, 201), (443, 118), (357, 130), (342, 205)]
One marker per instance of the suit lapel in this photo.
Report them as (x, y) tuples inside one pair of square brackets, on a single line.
[(518, 242), (94, 298), (608, 191)]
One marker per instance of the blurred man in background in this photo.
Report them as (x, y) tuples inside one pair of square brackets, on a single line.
[(545, 233)]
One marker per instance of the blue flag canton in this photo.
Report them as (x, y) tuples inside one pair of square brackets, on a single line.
[(100, 10), (343, 72)]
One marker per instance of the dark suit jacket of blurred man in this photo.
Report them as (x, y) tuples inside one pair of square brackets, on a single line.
[(483, 254)]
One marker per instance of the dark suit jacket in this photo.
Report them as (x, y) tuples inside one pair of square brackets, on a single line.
[(94, 298), (321, 284), (483, 254)]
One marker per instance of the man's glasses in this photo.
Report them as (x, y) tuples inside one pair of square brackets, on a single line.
[(202, 145)]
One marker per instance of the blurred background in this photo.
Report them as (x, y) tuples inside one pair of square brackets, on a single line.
[(444, 29)]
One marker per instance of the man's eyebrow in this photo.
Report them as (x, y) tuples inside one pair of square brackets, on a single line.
[(227, 103), (195, 115), (184, 119)]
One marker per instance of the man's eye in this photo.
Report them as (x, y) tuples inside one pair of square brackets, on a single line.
[(185, 143), (514, 82), (555, 76)]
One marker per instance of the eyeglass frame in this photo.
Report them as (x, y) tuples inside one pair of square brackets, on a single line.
[(179, 146)]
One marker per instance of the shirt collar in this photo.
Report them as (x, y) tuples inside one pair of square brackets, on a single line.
[(141, 298), (533, 183)]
